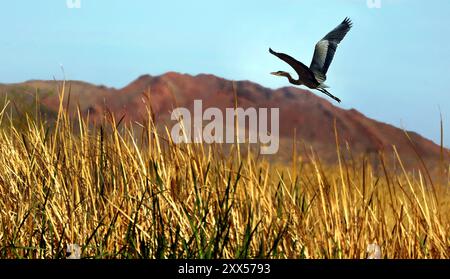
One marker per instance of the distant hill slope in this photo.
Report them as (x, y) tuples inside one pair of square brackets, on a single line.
[(312, 116)]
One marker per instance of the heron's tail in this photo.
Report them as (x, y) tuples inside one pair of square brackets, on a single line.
[(323, 85), (323, 90)]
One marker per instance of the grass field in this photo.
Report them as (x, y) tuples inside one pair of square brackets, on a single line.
[(120, 195)]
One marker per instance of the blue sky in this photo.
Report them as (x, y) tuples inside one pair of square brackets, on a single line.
[(392, 66)]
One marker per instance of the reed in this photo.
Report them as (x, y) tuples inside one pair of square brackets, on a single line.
[(123, 191)]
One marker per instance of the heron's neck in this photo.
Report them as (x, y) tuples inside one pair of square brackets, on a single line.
[(292, 80)]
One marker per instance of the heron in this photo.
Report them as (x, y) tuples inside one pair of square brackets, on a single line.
[(315, 75)]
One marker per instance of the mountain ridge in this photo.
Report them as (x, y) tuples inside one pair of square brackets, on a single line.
[(312, 116)]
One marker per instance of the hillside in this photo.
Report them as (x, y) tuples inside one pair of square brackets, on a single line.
[(312, 116)]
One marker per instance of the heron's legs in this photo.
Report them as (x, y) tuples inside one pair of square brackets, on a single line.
[(329, 94)]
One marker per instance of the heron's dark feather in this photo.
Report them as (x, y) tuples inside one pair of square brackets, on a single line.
[(304, 73), (326, 48)]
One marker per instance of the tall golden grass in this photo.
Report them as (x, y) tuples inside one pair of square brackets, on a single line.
[(123, 192)]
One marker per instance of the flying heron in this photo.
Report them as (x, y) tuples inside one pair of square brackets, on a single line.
[(315, 75)]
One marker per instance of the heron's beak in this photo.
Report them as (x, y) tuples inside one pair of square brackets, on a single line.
[(274, 73)]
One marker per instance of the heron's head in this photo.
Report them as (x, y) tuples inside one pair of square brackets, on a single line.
[(280, 74)]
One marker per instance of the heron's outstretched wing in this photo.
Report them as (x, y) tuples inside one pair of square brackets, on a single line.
[(302, 70), (325, 49)]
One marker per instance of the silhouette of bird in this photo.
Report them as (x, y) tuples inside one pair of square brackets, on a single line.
[(315, 75)]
